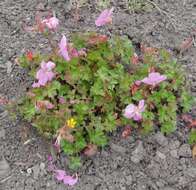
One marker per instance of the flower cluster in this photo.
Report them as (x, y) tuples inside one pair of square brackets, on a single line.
[(44, 74)]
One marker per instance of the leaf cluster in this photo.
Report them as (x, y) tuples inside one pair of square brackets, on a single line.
[(97, 88)]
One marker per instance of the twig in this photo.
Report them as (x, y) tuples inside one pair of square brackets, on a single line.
[(5, 179), (162, 12)]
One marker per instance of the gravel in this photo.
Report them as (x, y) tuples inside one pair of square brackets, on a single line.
[(155, 162)]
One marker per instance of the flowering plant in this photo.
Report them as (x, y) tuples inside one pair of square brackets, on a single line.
[(91, 86)]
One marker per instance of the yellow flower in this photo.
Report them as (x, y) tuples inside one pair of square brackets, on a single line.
[(71, 123)]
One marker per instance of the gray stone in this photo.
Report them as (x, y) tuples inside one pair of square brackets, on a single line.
[(9, 67), (129, 179), (160, 183), (191, 172), (161, 139), (193, 185), (4, 168), (185, 151), (42, 166), (139, 153), (117, 148), (167, 188), (2, 133), (174, 153), (174, 144), (160, 155), (36, 171)]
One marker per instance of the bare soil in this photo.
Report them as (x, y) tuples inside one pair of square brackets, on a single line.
[(155, 162)]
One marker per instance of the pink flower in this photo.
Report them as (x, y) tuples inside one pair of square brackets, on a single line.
[(63, 48), (135, 112), (60, 174), (61, 100), (70, 180), (52, 23), (105, 17), (67, 179), (154, 78), (44, 74)]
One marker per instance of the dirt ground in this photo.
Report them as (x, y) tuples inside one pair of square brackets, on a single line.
[(155, 162)]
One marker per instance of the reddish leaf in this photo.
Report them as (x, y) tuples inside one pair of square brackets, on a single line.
[(3, 101), (96, 39), (65, 133), (187, 118), (190, 120), (135, 59), (90, 150), (193, 124), (126, 132), (148, 50), (29, 55), (134, 88), (186, 44)]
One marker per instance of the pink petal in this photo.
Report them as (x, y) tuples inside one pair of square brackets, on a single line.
[(129, 111), (137, 117), (50, 65), (138, 82), (104, 18), (42, 77), (63, 50), (61, 100), (35, 85), (141, 105), (49, 105), (154, 78), (51, 23), (60, 175), (69, 180), (50, 75), (50, 158)]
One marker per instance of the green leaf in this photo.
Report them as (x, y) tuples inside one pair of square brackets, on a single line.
[(110, 123), (168, 127), (97, 137), (81, 108), (80, 142), (192, 137), (97, 88), (74, 163), (51, 89), (68, 147)]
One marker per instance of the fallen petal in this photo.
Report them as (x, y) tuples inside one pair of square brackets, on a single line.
[(70, 180)]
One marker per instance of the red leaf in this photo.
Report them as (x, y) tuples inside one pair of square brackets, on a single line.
[(190, 120), (187, 118), (135, 59), (134, 88), (148, 50), (96, 39), (126, 132), (90, 150), (29, 55)]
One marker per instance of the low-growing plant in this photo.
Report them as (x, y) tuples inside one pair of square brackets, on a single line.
[(84, 90)]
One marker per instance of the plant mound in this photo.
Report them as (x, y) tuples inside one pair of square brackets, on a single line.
[(81, 100)]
